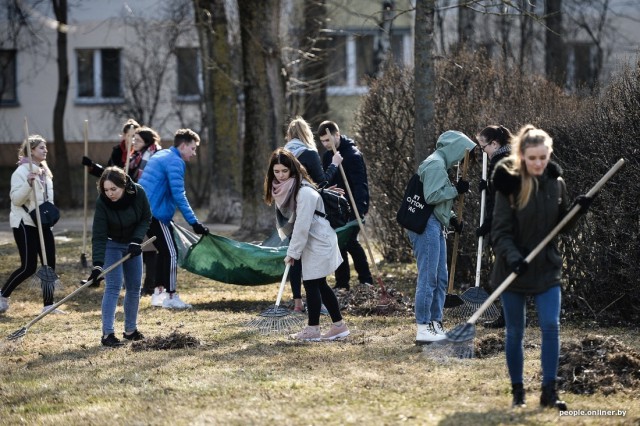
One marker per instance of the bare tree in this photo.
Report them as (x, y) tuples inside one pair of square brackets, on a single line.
[(264, 100), (222, 68), (63, 177), (555, 57), (424, 75)]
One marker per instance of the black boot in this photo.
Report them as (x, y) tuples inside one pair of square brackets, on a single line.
[(496, 323), (517, 390), (549, 397)]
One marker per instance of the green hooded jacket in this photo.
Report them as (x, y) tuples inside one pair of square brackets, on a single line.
[(438, 189)]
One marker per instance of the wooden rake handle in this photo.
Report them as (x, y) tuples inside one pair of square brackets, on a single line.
[(83, 286), (456, 240), (364, 233), (503, 286)]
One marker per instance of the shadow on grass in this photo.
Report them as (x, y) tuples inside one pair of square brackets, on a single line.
[(494, 417)]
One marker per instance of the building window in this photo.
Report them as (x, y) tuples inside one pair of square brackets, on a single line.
[(8, 95), (99, 75), (352, 59), (189, 74)]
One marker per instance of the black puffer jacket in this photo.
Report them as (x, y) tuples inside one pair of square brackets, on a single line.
[(356, 172), (123, 221), (515, 233)]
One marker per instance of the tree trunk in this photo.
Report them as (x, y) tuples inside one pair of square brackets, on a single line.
[(315, 108), (555, 58), (424, 74), (221, 71), (465, 26), (264, 100), (384, 36), (63, 179)]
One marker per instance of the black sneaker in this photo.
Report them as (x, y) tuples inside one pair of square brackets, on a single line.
[(111, 341), (134, 337)]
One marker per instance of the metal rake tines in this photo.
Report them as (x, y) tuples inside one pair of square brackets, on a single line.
[(46, 273), (274, 320), (462, 333), (17, 334)]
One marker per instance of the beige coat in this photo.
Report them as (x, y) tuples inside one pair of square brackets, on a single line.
[(21, 194), (313, 240)]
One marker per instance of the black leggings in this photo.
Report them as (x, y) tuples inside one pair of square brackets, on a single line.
[(28, 242), (318, 291)]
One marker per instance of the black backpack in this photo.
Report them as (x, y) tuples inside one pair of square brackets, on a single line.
[(336, 207), (414, 211)]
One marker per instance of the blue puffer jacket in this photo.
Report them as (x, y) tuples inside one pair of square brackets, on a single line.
[(163, 181)]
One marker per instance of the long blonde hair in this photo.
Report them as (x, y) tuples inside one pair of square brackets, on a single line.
[(528, 136), (299, 129), (33, 141)]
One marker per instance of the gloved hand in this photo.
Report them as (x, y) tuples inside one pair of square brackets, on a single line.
[(134, 249), (584, 202), (86, 161), (97, 270), (519, 266), (200, 229), (483, 229), (457, 226), (462, 186), (483, 185)]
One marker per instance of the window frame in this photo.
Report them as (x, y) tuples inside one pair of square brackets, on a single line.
[(12, 69), (98, 78), (199, 76)]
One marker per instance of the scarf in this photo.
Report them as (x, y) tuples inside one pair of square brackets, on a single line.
[(282, 193), (297, 147)]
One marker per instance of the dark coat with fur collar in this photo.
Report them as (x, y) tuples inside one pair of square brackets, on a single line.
[(516, 232)]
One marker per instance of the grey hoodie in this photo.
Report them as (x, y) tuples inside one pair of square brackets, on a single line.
[(438, 189)]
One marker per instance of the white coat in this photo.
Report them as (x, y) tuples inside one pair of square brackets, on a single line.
[(20, 195), (313, 240)]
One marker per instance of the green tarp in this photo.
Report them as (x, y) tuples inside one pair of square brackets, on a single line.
[(234, 262)]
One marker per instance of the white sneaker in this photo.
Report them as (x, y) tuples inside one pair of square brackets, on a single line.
[(427, 334), (55, 311), (4, 304), (173, 301), (439, 329), (158, 297)]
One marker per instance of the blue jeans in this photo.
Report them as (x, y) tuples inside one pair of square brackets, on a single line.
[(430, 251), (548, 307), (131, 272)]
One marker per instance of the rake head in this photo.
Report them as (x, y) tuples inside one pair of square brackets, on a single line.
[(475, 295), (460, 340), (17, 334), (47, 274), (452, 300), (275, 320)]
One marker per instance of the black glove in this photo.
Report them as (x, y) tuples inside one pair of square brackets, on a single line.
[(462, 186), (97, 270), (519, 266), (134, 249), (584, 202), (199, 228), (86, 161), (483, 185), (457, 226), (483, 229)]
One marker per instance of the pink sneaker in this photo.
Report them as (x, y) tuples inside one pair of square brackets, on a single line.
[(308, 334), (336, 332)]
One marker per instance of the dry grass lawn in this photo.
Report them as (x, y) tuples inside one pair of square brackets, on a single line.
[(60, 374)]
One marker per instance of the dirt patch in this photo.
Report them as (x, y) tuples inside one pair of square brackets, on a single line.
[(175, 340), (599, 364), (489, 345), (365, 300)]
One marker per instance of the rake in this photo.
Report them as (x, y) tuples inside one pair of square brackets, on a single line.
[(83, 255), (386, 301), (23, 331), (452, 300), (46, 273), (276, 319), (475, 296), (461, 337)]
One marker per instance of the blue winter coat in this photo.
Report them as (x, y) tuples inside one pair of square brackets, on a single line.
[(163, 181)]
